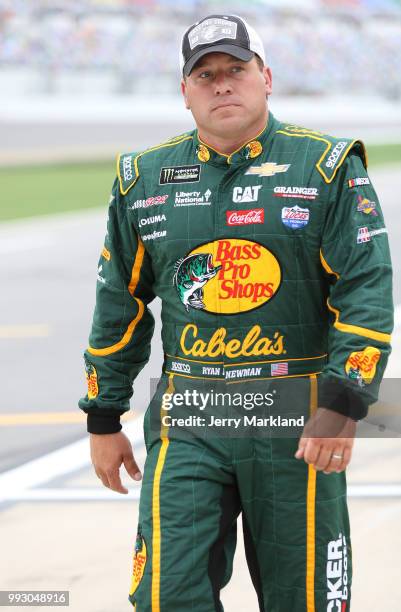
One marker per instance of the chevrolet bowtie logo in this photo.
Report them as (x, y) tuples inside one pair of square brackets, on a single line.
[(268, 169)]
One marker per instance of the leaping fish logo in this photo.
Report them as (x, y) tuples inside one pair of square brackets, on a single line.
[(191, 274)]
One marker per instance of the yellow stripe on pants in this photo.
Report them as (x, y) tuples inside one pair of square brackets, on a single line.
[(311, 514), (156, 537)]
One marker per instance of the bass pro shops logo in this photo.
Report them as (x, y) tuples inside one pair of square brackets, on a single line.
[(91, 379), (361, 365), (227, 276), (337, 575), (140, 557)]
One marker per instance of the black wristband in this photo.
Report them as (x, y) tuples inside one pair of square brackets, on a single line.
[(339, 396), (103, 424)]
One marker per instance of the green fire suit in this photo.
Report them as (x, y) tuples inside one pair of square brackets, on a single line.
[(274, 272)]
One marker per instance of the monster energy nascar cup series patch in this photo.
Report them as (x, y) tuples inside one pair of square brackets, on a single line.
[(180, 174)]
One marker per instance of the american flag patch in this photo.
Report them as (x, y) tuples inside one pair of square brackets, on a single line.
[(363, 235), (279, 369)]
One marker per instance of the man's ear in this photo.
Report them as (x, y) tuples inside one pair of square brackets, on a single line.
[(267, 73), (184, 93)]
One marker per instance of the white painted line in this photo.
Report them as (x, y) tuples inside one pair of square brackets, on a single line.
[(374, 490), (371, 491), (24, 331), (15, 243), (83, 494), (397, 317), (57, 463)]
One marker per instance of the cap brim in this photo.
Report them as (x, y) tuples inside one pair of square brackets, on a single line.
[(243, 54)]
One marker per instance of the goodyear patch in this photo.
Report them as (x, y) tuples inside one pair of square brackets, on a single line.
[(106, 254), (140, 558), (91, 379), (361, 365)]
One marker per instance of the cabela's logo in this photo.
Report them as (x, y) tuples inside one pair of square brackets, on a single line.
[(253, 344), (361, 365), (227, 276)]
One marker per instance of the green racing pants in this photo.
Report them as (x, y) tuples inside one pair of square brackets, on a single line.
[(195, 486)]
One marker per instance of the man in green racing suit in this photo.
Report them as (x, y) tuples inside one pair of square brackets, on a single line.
[(267, 246)]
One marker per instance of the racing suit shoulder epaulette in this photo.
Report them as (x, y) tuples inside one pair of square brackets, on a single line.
[(334, 149), (127, 163)]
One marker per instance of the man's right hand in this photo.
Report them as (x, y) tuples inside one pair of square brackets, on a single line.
[(108, 453)]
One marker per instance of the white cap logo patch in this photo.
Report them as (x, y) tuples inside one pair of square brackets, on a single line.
[(211, 30)]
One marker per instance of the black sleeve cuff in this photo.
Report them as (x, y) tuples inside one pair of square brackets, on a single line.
[(103, 424), (338, 395)]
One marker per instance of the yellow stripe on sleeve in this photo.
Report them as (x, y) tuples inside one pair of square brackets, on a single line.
[(136, 271)]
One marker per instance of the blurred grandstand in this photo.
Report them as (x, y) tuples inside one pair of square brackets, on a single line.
[(315, 47)]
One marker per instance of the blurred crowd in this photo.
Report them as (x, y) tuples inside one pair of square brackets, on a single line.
[(131, 46)]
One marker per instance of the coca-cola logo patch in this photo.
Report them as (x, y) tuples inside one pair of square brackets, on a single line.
[(295, 217), (245, 217)]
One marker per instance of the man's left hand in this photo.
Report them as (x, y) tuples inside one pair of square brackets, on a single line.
[(327, 441)]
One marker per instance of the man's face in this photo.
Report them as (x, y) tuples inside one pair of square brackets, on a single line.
[(225, 94)]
